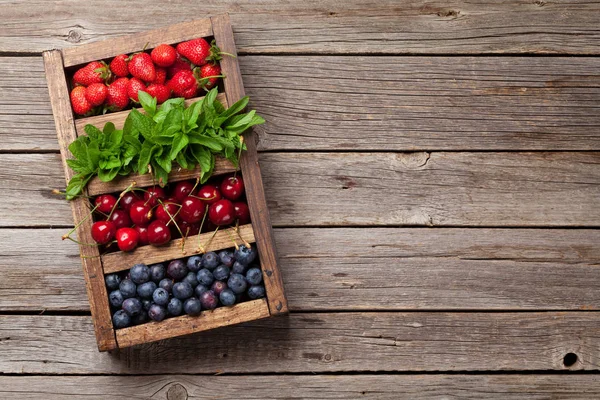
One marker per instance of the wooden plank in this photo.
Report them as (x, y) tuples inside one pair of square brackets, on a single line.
[(339, 189), (135, 42), (223, 239), (403, 103), (255, 193), (275, 387), (328, 26), (425, 269), (322, 342), (186, 325), (90, 256)]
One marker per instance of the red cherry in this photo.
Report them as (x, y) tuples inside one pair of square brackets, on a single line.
[(192, 210), (143, 232), (232, 187), (242, 212), (128, 199), (153, 194), (221, 212), (105, 203), (158, 233), (182, 190), (189, 229), (140, 213), (103, 231), (209, 194), (165, 211), (127, 239), (120, 218)]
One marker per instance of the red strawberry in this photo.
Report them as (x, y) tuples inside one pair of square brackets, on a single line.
[(163, 55), (161, 76), (209, 75), (96, 93), (180, 65), (183, 84), (141, 67), (195, 50), (133, 87), (161, 92), (94, 72), (117, 98), (119, 65), (80, 104)]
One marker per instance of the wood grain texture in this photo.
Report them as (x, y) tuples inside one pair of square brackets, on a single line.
[(385, 269), (255, 192), (323, 342), (80, 207), (186, 325), (355, 26), (375, 103), (270, 387)]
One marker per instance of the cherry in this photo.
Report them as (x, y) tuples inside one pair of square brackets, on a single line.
[(209, 193), (128, 199), (232, 187), (105, 203), (143, 232), (103, 231), (140, 213), (127, 239), (120, 218), (167, 210), (158, 233), (182, 190), (221, 212), (153, 194), (242, 212), (189, 229), (192, 210)]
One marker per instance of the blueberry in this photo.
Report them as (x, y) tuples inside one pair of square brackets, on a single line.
[(221, 272), (226, 257), (160, 297), (157, 313), (194, 263), (237, 283), (199, 290), (112, 281), (132, 306), (177, 269), (245, 255), (256, 292), (121, 319), (157, 272), (166, 284), (139, 319), (140, 273), (175, 307), (205, 277), (192, 306), (191, 279), (227, 297), (254, 276), (115, 298), (210, 260), (217, 287), (183, 290), (209, 300), (127, 288), (239, 268), (145, 290), (146, 304)]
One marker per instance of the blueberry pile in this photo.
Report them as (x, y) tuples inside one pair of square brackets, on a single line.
[(184, 286)]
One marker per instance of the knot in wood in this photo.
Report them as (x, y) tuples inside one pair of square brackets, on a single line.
[(177, 392)]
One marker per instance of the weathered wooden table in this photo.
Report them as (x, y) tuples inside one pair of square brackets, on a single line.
[(434, 179)]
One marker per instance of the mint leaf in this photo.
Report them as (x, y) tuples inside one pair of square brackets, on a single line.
[(93, 132), (148, 103), (107, 175), (179, 142)]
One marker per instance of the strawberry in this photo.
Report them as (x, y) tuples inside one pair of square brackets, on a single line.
[(141, 67), (209, 75), (96, 93), (118, 65), (183, 84), (195, 50), (161, 76), (117, 98), (80, 104), (179, 65), (94, 72), (161, 92), (133, 87), (163, 55)]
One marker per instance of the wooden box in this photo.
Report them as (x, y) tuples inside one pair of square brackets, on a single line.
[(57, 64)]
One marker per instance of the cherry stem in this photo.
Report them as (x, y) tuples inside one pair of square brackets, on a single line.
[(172, 218), (68, 235), (232, 239), (79, 243), (128, 189), (196, 184), (200, 230), (237, 230), (239, 155), (58, 192), (208, 242)]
